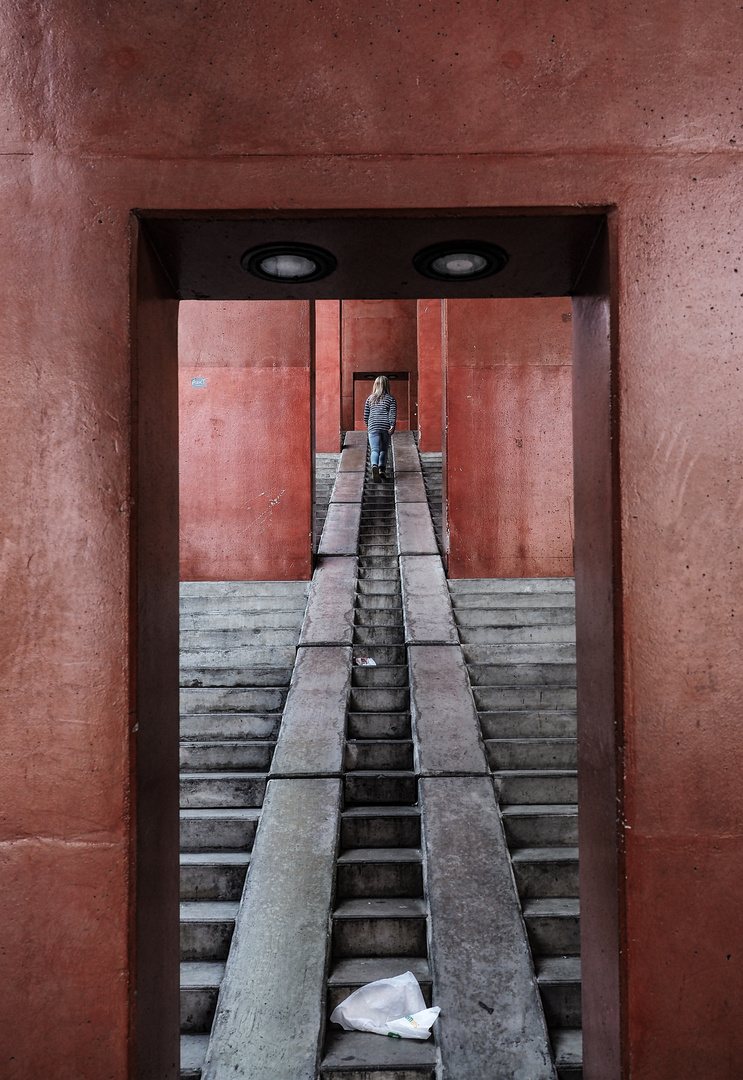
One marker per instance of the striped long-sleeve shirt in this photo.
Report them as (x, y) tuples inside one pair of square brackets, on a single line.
[(382, 415)]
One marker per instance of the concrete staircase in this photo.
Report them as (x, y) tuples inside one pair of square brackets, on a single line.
[(518, 641), (326, 468), (431, 469), (238, 645), (379, 917)]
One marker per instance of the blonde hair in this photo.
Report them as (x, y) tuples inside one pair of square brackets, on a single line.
[(380, 388)]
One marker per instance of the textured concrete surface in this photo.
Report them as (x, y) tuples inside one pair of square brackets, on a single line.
[(415, 535), (348, 487), (492, 1022), (448, 738), (405, 452), (269, 1016), (311, 737), (409, 487), (329, 616), (425, 598), (353, 456), (340, 534)]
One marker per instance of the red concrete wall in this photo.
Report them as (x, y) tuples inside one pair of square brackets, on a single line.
[(429, 375), (327, 376), (637, 110), (378, 336), (245, 441), (509, 455)]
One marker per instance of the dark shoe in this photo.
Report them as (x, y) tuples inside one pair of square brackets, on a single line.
[(375, 472), (383, 474)]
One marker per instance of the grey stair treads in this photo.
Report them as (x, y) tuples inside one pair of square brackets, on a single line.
[(517, 640)]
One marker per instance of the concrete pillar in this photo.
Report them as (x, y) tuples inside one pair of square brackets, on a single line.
[(245, 440), (328, 376), (429, 374), (509, 459)]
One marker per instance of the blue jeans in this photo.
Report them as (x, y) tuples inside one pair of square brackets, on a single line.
[(379, 441)]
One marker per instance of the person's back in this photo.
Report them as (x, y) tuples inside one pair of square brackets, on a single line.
[(380, 416)]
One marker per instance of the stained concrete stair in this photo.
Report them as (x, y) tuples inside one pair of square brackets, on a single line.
[(326, 471), (518, 639), (238, 647)]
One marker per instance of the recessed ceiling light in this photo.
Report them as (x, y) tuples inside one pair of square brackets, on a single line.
[(291, 263), (460, 260)]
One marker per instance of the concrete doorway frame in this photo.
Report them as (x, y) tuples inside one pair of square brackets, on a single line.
[(154, 649)]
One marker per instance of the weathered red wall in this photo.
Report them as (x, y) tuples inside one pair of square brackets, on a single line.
[(245, 449), (429, 375), (378, 336), (637, 109), (327, 376), (509, 452)]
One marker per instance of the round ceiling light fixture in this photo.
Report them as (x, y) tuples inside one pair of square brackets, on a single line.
[(290, 263), (460, 260)]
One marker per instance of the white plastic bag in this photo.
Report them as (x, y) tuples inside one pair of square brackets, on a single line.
[(387, 1007)]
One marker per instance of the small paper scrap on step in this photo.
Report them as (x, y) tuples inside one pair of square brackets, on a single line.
[(365, 661), (393, 1007)]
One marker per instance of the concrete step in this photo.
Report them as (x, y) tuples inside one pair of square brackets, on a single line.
[(198, 999), (378, 635), (193, 1053), (348, 975), (377, 617), (379, 573), (213, 875), (394, 655), (475, 609), (368, 549), (375, 826), (244, 588), (529, 724), (377, 562), (462, 586), (553, 924), (202, 604), (546, 872), (262, 699), (496, 698), (213, 675), (379, 927), (541, 825), (531, 753), (522, 652), (379, 872), (240, 620), (534, 786), (212, 830), (222, 789), (567, 1044), (206, 929), (373, 588), (244, 656), (226, 756), (559, 984), (383, 725), (190, 640), (491, 634), (375, 788), (380, 676), (385, 754), (518, 633), (508, 674), (379, 698), (359, 1055), (391, 601), (200, 727)]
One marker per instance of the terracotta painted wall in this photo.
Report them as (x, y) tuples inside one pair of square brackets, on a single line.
[(378, 335), (245, 449), (509, 452), (429, 375), (447, 105), (327, 376)]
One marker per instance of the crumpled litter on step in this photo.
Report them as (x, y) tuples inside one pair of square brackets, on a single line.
[(393, 1007), (365, 661)]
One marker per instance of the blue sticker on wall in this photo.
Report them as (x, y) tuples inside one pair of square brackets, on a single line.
[(198, 382)]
